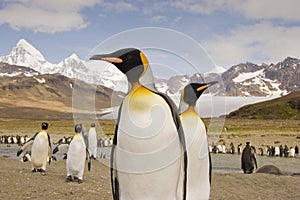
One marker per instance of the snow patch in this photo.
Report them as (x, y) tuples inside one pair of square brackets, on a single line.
[(10, 75), (245, 76), (42, 80)]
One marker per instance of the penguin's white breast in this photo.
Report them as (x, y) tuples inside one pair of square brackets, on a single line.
[(195, 135), (146, 120), (147, 135)]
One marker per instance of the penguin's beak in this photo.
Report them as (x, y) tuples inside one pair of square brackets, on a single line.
[(206, 85), (107, 57)]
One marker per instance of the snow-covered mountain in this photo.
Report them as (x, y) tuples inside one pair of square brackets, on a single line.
[(24, 54), (245, 79), (249, 79)]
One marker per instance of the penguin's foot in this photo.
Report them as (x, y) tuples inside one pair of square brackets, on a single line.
[(41, 170), (34, 170), (69, 178), (79, 181)]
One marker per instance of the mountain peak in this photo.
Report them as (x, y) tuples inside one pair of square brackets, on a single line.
[(74, 56), (23, 42), (25, 46)]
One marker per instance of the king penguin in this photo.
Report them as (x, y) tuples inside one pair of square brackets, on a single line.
[(76, 156), (199, 169), (40, 150), (92, 141), (148, 157)]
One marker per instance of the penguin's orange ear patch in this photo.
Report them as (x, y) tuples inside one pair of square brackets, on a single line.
[(112, 60), (202, 87)]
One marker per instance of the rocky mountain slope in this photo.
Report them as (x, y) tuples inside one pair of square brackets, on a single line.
[(263, 80), (25, 92), (245, 79)]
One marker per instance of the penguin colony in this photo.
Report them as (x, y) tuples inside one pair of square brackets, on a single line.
[(157, 151), (76, 147), (142, 165)]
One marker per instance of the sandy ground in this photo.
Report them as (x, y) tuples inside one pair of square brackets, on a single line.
[(18, 182)]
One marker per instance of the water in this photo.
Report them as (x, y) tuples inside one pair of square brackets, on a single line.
[(222, 163)]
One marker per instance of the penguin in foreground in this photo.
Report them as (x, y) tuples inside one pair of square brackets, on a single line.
[(40, 150), (199, 169), (92, 141), (248, 159), (148, 158), (76, 156)]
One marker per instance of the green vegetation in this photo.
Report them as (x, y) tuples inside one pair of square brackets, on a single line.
[(59, 127), (286, 107)]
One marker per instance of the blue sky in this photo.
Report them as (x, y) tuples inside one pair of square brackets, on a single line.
[(230, 31)]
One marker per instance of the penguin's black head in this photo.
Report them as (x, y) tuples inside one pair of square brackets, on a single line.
[(132, 62), (93, 125), (44, 126), (78, 128), (193, 91)]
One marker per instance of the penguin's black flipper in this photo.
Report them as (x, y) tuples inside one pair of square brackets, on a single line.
[(50, 148), (19, 152), (55, 150), (210, 168), (185, 157), (89, 165), (25, 145), (113, 169), (177, 121), (88, 155), (61, 147)]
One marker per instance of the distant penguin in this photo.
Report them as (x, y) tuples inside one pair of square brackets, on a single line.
[(40, 150), (26, 157), (148, 159), (76, 157), (199, 168), (92, 141), (248, 159)]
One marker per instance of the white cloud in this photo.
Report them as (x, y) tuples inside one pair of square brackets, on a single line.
[(262, 42), (55, 15), (201, 6), (178, 19), (263, 9), (117, 7), (271, 9), (45, 16), (159, 19)]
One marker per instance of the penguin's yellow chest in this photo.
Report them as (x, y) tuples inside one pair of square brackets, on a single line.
[(140, 99), (145, 119)]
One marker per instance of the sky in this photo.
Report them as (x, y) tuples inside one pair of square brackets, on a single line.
[(228, 31)]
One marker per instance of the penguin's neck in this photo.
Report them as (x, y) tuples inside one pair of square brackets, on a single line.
[(135, 86), (190, 111), (138, 90), (77, 134)]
